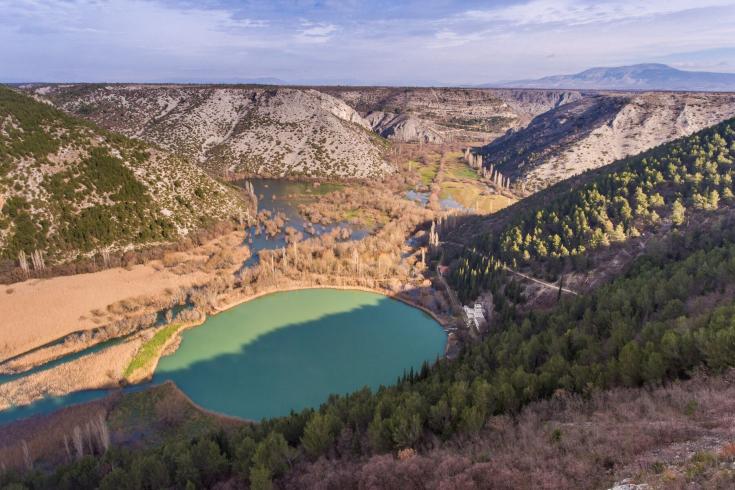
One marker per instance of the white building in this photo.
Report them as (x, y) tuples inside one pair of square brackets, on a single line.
[(474, 317)]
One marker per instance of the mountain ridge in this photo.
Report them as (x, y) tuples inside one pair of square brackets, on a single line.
[(644, 76), (597, 130), (268, 131)]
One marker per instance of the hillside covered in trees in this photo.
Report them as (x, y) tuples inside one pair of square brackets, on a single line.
[(68, 188), (557, 229), (669, 315)]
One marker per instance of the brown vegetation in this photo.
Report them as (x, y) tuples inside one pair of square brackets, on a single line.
[(670, 437), (70, 304), (128, 420), (12, 272)]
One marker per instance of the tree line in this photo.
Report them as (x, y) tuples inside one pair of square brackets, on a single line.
[(613, 205)]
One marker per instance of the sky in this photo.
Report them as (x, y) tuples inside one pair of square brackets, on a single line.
[(413, 42)]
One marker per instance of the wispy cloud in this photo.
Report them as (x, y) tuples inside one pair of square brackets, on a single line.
[(316, 33), (446, 38), (577, 12)]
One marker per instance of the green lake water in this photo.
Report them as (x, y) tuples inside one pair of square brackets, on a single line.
[(291, 350)]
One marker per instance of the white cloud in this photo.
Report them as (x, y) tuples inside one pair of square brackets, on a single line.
[(445, 38), (577, 12), (134, 22), (316, 33), (142, 40)]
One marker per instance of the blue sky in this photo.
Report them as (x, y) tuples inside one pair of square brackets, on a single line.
[(351, 41)]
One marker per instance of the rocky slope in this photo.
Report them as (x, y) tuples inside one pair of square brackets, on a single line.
[(331, 131), (267, 131), (440, 115), (599, 129), (67, 187)]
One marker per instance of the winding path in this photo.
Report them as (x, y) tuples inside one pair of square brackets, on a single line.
[(456, 305), (520, 274)]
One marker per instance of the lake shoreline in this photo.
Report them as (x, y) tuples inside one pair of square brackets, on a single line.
[(357, 319), (175, 339), (386, 293), (145, 374)]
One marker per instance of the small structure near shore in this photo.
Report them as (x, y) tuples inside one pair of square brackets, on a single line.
[(474, 317)]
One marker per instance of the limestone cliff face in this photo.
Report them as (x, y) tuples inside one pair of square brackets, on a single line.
[(530, 103), (532, 136), (339, 109), (267, 131), (284, 131), (440, 115), (404, 127), (597, 130)]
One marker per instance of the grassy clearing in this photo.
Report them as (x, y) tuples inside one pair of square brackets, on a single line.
[(366, 217), (458, 170), (428, 172), (151, 349), (462, 184), (474, 197)]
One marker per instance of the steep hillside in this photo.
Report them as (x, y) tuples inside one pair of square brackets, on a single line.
[(265, 131), (674, 436), (440, 115), (559, 229), (598, 130), (67, 187), (646, 76), (671, 315)]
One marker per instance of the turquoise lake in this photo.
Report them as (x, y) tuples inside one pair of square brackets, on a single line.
[(291, 350), (287, 351)]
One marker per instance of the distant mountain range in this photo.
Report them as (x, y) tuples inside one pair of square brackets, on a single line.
[(650, 76)]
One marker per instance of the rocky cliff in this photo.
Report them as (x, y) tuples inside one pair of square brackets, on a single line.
[(266, 131), (599, 129), (440, 115)]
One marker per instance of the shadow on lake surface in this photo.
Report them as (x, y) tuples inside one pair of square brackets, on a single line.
[(259, 360), (295, 365)]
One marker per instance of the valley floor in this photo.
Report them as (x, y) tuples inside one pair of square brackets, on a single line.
[(40, 311), (50, 318), (46, 319)]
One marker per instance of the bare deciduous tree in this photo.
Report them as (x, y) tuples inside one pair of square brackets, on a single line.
[(23, 262)]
